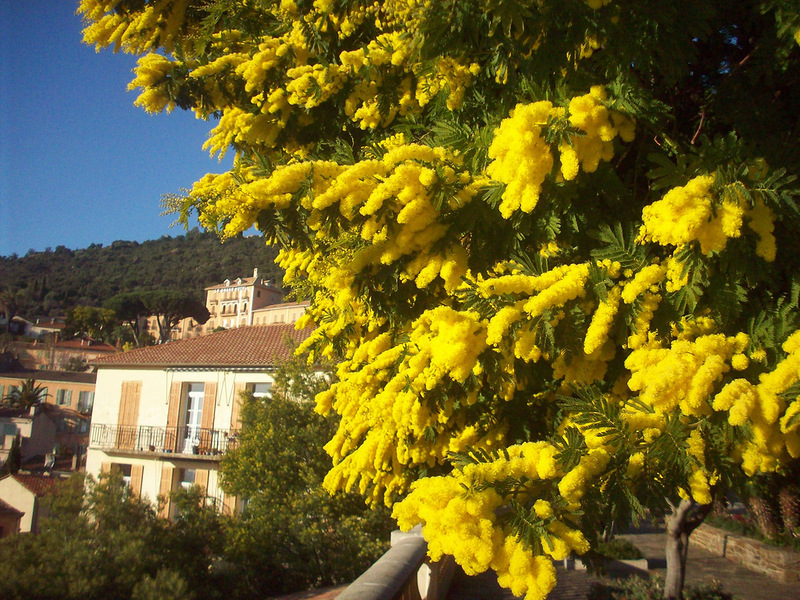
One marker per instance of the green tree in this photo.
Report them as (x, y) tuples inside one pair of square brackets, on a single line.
[(129, 308), (25, 395), (100, 541), (14, 459), (293, 535), (96, 323), (170, 307), (551, 244)]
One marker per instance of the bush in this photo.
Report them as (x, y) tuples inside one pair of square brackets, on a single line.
[(618, 549), (638, 588)]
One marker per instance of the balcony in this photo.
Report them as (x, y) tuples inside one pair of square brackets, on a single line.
[(163, 442)]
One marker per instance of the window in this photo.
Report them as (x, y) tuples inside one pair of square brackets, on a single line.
[(187, 478), (63, 397), (260, 390), (85, 401), (83, 426), (125, 470), (193, 416), (9, 432)]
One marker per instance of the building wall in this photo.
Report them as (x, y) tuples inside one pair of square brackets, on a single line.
[(21, 498), (155, 472), (9, 525), (280, 313), (72, 422)]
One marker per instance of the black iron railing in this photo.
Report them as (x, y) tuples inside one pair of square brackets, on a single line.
[(177, 440)]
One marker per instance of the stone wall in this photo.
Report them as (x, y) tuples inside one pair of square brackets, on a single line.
[(779, 564)]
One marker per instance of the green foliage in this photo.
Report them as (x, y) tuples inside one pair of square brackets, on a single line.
[(639, 588), (293, 534), (53, 281), (618, 548), (27, 394), (14, 458), (96, 323), (101, 542)]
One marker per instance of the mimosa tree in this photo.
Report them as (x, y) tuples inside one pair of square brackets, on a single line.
[(552, 244)]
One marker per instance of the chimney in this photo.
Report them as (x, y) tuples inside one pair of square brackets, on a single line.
[(255, 273)]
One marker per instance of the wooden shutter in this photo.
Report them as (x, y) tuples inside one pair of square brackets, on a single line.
[(167, 473), (128, 417), (229, 504), (173, 416), (137, 473), (236, 405), (105, 467), (201, 479), (209, 406), (208, 441)]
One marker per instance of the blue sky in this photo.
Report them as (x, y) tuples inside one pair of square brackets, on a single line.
[(79, 163)]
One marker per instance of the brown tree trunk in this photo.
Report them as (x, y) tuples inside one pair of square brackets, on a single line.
[(684, 518), (764, 516), (789, 503)]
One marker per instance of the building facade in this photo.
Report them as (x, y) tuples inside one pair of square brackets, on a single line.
[(237, 303), (69, 399), (165, 415)]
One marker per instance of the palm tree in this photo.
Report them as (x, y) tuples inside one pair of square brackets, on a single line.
[(25, 396)]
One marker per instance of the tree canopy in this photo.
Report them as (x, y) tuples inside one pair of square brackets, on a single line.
[(552, 244), (292, 534)]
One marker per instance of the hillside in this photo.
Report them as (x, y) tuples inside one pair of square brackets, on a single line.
[(55, 280)]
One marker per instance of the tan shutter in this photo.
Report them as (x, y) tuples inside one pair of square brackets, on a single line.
[(105, 467), (128, 416), (229, 504), (208, 439), (201, 479), (167, 473), (236, 406), (173, 415), (137, 473)]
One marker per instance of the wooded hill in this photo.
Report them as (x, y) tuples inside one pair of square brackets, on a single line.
[(56, 280)]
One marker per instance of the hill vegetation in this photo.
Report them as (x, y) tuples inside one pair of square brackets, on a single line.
[(53, 281)]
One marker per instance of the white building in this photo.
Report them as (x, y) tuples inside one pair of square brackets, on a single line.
[(165, 415)]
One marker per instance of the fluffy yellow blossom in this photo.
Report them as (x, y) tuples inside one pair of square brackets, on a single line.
[(686, 214), (521, 157)]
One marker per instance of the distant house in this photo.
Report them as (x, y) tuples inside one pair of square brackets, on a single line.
[(24, 493), (236, 303), (36, 428), (165, 415), (69, 398), (52, 354), (10, 519)]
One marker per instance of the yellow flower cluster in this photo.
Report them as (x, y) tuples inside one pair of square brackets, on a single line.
[(602, 319), (523, 159), (761, 220), (156, 25), (460, 518), (381, 396), (683, 375), (151, 73), (691, 213)]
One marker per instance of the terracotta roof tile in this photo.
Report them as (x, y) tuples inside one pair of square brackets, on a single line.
[(43, 375), (37, 484), (252, 346)]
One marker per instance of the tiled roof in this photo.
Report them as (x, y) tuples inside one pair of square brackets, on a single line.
[(41, 375), (37, 484), (92, 345), (7, 509), (252, 346)]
